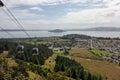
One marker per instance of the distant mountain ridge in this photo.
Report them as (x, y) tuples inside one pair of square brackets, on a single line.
[(71, 36), (103, 29), (97, 29), (64, 30), (57, 31)]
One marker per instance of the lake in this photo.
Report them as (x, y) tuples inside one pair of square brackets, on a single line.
[(21, 34)]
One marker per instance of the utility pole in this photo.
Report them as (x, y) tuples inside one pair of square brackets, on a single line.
[(1, 4), (91, 44)]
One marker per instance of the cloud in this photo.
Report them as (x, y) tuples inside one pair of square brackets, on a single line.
[(36, 8), (110, 3), (98, 17), (107, 15), (12, 3), (22, 15)]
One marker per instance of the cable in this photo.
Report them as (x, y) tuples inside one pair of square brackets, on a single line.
[(9, 16), (6, 32), (20, 26), (14, 19)]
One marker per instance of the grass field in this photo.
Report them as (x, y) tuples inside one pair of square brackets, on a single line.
[(99, 52), (34, 76), (46, 40), (55, 39), (96, 66), (104, 68), (81, 52)]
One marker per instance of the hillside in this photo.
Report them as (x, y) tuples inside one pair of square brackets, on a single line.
[(71, 36), (97, 29), (72, 64), (103, 29), (57, 31), (95, 65)]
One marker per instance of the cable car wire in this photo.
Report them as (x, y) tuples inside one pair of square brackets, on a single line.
[(6, 32), (20, 25), (10, 17), (15, 20)]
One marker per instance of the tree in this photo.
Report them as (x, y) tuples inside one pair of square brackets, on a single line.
[(74, 69)]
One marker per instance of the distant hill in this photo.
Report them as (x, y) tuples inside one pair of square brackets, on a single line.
[(57, 31), (103, 29), (97, 29), (88, 29), (70, 36), (64, 30)]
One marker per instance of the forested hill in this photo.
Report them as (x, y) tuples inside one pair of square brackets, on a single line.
[(70, 36), (22, 66), (103, 29), (47, 65)]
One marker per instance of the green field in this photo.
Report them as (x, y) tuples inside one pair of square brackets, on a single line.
[(84, 53), (99, 52)]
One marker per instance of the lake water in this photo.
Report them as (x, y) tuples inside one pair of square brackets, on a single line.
[(49, 34)]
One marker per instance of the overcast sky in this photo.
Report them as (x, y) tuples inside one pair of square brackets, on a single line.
[(62, 14)]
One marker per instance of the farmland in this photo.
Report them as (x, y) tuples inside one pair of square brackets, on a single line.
[(98, 52), (83, 53), (108, 70)]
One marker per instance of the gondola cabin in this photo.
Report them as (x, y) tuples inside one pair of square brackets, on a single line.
[(20, 49), (35, 51)]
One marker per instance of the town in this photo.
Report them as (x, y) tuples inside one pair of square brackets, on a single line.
[(112, 46)]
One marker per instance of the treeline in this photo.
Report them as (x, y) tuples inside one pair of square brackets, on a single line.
[(72, 36), (3, 46), (44, 53), (74, 69), (43, 72), (33, 67), (11, 46)]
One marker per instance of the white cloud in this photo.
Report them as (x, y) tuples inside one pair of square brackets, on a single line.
[(36, 8), (22, 15), (100, 17), (97, 17), (110, 3), (12, 3), (103, 17), (106, 16)]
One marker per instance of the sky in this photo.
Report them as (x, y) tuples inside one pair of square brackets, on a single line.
[(62, 14)]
